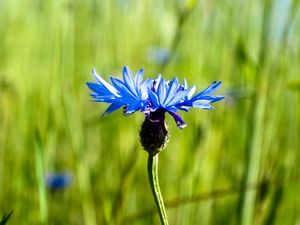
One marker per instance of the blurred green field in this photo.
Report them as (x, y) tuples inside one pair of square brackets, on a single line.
[(237, 164)]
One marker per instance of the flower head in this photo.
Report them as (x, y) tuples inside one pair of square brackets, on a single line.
[(151, 95), (58, 181), (154, 98)]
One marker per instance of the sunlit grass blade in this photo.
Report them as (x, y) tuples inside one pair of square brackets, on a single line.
[(40, 174)]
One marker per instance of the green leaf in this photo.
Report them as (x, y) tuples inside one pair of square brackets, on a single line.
[(5, 218)]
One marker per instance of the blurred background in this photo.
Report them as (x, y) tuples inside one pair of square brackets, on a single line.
[(61, 163)]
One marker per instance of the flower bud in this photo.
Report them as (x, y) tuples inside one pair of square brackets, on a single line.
[(154, 132)]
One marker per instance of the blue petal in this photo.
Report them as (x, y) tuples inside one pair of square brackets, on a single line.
[(120, 86), (156, 83), (191, 92), (99, 89), (145, 87), (217, 98), (213, 98), (113, 107), (162, 91), (186, 103), (210, 89), (185, 84), (139, 78), (106, 85), (178, 97), (132, 108), (202, 104), (106, 98), (154, 99), (183, 108), (128, 80), (178, 120), (172, 90)]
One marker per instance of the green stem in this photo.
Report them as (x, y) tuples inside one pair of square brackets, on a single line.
[(153, 180)]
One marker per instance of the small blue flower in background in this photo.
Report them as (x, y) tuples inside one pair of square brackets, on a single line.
[(158, 55), (59, 181), (151, 95)]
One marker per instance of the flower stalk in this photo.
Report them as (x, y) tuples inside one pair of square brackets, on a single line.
[(154, 184)]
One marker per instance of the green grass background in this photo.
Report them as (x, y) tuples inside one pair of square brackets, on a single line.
[(237, 164)]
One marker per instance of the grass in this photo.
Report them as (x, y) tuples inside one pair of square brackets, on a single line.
[(237, 164)]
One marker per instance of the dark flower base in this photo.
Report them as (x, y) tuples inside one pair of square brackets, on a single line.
[(154, 132)]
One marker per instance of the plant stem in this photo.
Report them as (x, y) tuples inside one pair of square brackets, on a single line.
[(153, 180)]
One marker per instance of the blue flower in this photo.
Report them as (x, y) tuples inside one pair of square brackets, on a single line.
[(58, 181), (151, 95), (158, 55)]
